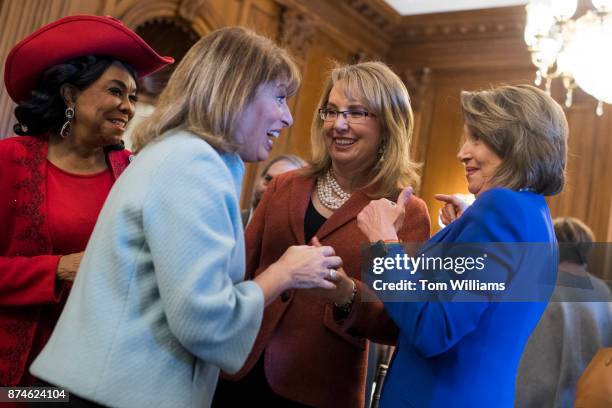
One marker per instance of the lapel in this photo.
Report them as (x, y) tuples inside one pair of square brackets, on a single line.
[(344, 214), (299, 197)]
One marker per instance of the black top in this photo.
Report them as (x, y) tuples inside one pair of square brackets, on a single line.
[(312, 222)]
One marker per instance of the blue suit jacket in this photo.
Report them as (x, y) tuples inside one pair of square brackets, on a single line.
[(466, 354)]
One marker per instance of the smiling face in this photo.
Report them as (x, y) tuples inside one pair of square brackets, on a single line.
[(103, 109), (262, 121), (350, 145), (481, 164)]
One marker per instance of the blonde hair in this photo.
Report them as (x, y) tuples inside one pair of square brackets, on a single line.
[(213, 84), (527, 129), (383, 94)]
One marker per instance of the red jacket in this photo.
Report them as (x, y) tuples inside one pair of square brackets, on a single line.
[(309, 356), (27, 270)]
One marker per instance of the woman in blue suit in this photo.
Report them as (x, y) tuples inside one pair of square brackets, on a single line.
[(465, 354)]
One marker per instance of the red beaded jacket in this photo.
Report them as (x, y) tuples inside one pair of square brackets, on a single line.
[(27, 270)]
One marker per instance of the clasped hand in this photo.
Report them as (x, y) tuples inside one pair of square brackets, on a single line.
[(309, 266), (343, 287)]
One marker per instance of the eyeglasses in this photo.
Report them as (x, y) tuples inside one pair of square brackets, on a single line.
[(267, 179), (351, 116)]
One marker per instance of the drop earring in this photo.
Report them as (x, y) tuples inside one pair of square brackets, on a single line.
[(69, 114)]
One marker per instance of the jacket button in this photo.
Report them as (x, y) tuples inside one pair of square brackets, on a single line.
[(285, 296)]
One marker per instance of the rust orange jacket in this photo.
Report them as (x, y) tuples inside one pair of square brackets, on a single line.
[(310, 357)]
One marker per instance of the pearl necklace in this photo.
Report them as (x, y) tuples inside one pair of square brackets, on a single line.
[(330, 194)]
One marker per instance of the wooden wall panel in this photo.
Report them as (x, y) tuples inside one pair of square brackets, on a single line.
[(350, 22), (477, 49), (588, 191), (321, 59), (335, 28), (18, 18), (461, 55), (262, 17), (441, 171), (439, 135), (463, 50), (229, 9)]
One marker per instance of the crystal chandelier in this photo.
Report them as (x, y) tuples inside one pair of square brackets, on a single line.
[(578, 51)]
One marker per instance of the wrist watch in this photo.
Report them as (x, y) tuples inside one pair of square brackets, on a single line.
[(379, 249), (346, 307)]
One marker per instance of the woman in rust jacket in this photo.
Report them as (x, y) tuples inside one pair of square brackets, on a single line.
[(312, 346)]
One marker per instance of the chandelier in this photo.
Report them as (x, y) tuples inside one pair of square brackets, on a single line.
[(578, 51)]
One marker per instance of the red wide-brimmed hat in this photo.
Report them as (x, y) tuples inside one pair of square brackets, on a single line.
[(72, 37)]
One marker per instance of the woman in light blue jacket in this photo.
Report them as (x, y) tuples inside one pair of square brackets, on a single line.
[(159, 305)]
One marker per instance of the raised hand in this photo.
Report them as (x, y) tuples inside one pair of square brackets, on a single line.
[(452, 209), (381, 219)]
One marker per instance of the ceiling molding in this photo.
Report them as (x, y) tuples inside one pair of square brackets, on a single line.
[(416, 7), (461, 25), (374, 12), (351, 21), (297, 32), (135, 13)]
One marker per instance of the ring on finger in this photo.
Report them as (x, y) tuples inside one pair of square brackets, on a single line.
[(332, 273)]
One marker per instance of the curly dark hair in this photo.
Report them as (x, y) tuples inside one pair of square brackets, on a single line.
[(44, 111)]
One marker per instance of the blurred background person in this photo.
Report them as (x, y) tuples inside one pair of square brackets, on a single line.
[(576, 323), (312, 347), (465, 354), (278, 165), (159, 305), (74, 82)]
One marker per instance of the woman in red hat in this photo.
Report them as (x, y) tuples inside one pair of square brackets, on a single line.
[(74, 82)]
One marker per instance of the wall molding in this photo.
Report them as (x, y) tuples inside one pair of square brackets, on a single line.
[(297, 32), (375, 12), (347, 21), (458, 26), (417, 81)]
